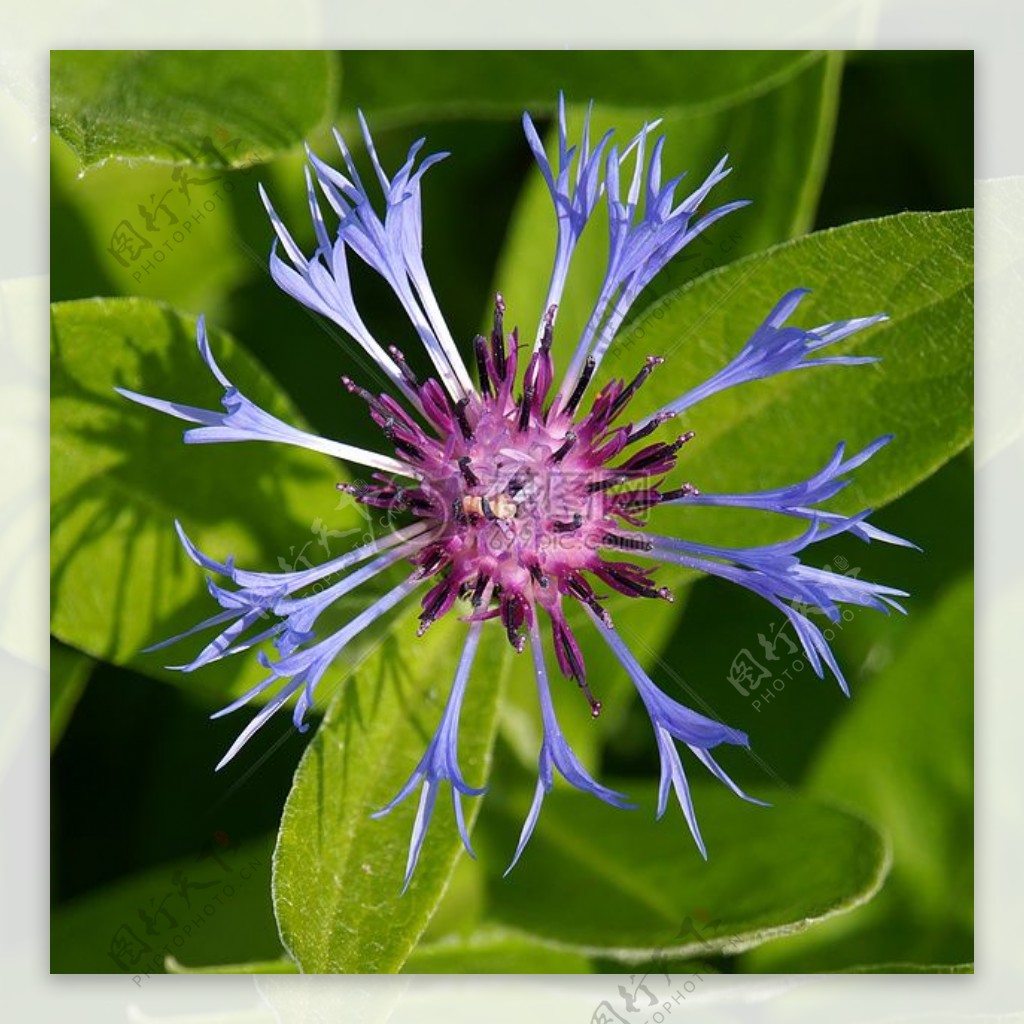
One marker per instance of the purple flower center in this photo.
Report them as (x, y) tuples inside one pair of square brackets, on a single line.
[(524, 494)]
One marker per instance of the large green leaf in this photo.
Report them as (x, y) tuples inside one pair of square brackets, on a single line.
[(903, 755), (127, 229), (770, 871), (281, 965), (213, 108), (212, 907), (903, 968), (337, 872), (120, 475), (505, 82), (494, 951), (69, 672)]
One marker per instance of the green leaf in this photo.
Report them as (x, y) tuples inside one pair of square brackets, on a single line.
[(69, 672), (127, 229), (505, 82), (120, 476), (770, 871), (493, 951), (211, 907), (337, 872), (903, 968), (281, 965), (903, 755), (211, 108)]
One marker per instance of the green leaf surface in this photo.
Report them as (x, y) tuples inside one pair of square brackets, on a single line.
[(770, 871), (211, 907), (505, 82), (493, 951), (902, 968), (69, 673), (903, 756), (281, 965), (207, 108), (338, 873), (120, 476), (130, 229)]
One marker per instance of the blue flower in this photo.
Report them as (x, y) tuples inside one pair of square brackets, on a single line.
[(517, 503)]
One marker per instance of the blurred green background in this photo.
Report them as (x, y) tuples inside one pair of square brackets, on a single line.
[(818, 141)]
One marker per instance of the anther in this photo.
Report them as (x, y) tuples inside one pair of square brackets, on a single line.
[(538, 574), (480, 348), (603, 485), (616, 540), (567, 446), (686, 491), (560, 527), (478, 591), (472, 480), (517, 483), (681, 440), (547, 336), (526, 404), (633, 387), (652, 425), (460, 416), (581, 386), (498, 336), (403, 366)]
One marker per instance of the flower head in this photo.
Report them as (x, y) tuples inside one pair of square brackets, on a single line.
[(520, 494)]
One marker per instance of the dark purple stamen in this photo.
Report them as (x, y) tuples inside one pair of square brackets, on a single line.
[(538, 575), (525, 407), (403, 366), (567, 446), (498, 337), (460, 417), (571, 664), (472, 480), (633, 387), (581, 386), (651, 426), (603, 485), (478, 591), (686, 491), (548, 333), (561, 527), (480, 349), (615, 540), (517, 483), (410, 449)]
